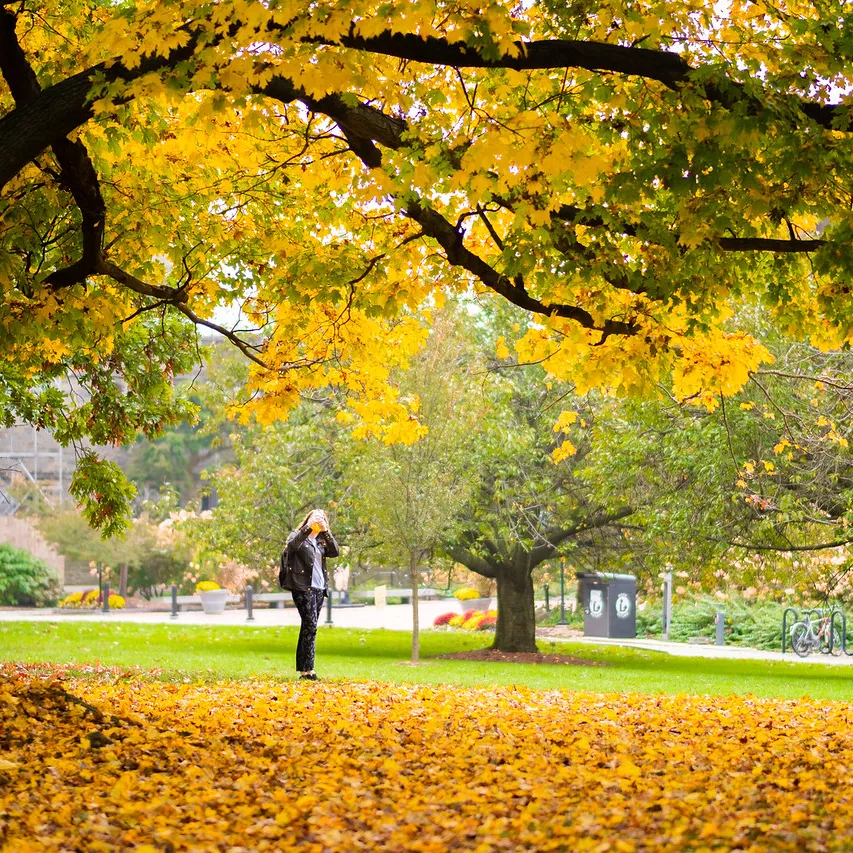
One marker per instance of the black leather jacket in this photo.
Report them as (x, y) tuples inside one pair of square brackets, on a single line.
[(300, 555)]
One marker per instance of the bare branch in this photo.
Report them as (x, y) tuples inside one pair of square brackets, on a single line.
[(247, 349)]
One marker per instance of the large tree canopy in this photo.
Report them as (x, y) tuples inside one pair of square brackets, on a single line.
[(623, 171)]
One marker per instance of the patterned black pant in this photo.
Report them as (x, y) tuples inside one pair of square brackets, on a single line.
[(309, 604)]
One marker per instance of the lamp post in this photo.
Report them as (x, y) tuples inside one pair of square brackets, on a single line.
[(667, 601)]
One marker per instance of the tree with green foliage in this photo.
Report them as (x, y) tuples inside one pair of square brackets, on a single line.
[(153, 556), (723, 492), (526, 508)]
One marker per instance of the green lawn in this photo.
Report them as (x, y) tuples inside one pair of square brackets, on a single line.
[(190, 652)]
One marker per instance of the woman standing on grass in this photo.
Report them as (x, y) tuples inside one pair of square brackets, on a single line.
[(307, 549)]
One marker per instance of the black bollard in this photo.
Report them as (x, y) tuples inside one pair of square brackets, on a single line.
[(328, 607), (107, 597), (547, 600), (249, 594), (174, 601)]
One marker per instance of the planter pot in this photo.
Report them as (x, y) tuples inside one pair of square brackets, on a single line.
[(213, 600), (467, 604)]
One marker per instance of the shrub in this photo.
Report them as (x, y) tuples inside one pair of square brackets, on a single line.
[(26, 581), (117, 601), (470, 614), (757, 624), (488, 623), (457, 620), (573, 617), (444, 619), (473, 623), (73, 599), (466, 592), (206, 586)]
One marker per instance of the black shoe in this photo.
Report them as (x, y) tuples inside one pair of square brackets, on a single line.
[(309, 676)]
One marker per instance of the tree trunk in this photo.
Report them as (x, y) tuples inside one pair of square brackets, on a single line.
[(416, 640), (122, 583), (516, 628)]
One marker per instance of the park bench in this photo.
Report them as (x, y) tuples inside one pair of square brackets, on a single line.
[(275, 599), (403, 593), (185, 601)]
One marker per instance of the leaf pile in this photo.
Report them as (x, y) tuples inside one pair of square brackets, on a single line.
[(348, 766)]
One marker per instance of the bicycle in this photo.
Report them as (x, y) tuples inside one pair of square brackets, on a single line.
[(826, 639)]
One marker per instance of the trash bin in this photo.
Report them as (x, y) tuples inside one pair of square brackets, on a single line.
[(609, 604)]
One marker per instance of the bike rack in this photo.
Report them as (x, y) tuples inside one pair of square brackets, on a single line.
[(785, 625), (816, 614), (843, 630), (835, 611)]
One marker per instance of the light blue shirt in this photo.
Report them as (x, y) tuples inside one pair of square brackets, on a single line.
[(318, 579)]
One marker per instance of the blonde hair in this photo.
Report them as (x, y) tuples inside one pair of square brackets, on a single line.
[(305, 521)]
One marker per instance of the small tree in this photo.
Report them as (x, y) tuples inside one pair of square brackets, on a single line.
[(410, 494)]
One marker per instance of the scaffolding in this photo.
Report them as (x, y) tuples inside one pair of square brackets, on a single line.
[(33, 456)]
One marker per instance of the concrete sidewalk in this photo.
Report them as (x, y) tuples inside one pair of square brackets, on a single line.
[(393, 617)]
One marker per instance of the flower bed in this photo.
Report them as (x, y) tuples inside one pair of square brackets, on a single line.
[(470, 620), (91, 599)]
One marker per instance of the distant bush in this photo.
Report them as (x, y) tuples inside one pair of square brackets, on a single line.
[(26, 581)]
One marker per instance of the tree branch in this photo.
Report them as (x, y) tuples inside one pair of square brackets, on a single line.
[(471, 561), (783, 548), (661, 65), (77, 171), (364, 119), (247, 349), (575, 215), (555, 536), (29, 130)]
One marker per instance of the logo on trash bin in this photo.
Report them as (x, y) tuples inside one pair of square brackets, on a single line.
[(596, 603), (623, 605)]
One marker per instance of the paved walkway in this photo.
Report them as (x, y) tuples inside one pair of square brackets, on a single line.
[(394, 617)]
